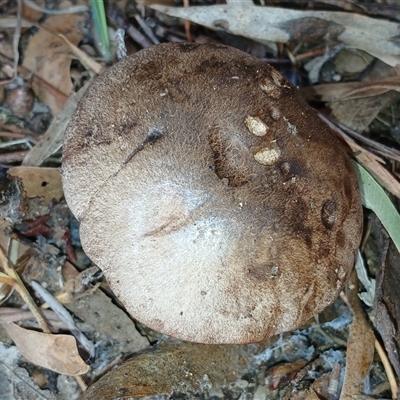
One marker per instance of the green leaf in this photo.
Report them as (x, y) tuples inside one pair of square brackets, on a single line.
[(375, 198)]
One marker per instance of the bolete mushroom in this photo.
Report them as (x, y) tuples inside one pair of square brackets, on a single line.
[(219, 206)]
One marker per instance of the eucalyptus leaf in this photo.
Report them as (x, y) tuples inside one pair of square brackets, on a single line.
[(375, 198)]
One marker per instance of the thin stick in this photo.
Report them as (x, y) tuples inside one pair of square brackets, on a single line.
[(80, 382), (17, 35), (388, 369), (20, 287), (187, 23)]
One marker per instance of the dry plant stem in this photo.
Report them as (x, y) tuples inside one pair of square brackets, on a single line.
[(81, 383), (385, 150), (70, 10), (15, 142), (146, 29), (119, 20), (120, 42), (388, 369), (64, 316), (17, 35), (12, 135), (21, 131), (187, 23), (90, 65), (309, 54), (15, 156), (4, 278), (20, 287)]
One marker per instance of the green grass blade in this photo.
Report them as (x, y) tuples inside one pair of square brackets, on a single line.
[(375, 198), (101, 29)]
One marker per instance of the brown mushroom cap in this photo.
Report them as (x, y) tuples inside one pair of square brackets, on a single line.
[(219, 206)]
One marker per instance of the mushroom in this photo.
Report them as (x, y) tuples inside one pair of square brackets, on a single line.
[(220, 208)]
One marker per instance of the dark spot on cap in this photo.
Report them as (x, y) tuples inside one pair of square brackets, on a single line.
[(153, 135), (285, 168), (292, 167), (263, 272), (329, 214)]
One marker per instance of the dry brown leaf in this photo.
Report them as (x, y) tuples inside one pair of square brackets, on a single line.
[(18, 384), (87, 61), (49, 57), (377, 170), (98, 311), (370, 161), (387, 298), (358, 113), (30, 14), (276, 24), (360, 345), (55, 352), (332, 92), (52, 140), (311, 395), (39, 182)]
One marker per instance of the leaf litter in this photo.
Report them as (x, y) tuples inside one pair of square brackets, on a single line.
[(352, 61)]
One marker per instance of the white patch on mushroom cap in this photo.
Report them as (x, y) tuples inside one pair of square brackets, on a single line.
[(268, 156), (291, 128), (256, 126), (270, 89)]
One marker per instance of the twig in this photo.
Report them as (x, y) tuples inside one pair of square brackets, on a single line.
[(388, 369), (20, 287), (70, 10), (120, 42), (63, 314), (146, 29), (17, 35), (12, 314), (387, 151), (187, 23), (14, 156), (80, 382), (24, 141), (119, 20)]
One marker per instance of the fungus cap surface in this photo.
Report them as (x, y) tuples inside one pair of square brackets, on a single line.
[(219, 206)]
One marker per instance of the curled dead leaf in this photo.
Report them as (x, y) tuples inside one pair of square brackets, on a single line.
[(55, 352)]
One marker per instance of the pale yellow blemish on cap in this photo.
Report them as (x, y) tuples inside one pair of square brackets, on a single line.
[(256, 126), (270, 89), (268, 156)]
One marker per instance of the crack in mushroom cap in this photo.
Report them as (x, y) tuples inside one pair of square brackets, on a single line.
[(197, 237)]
